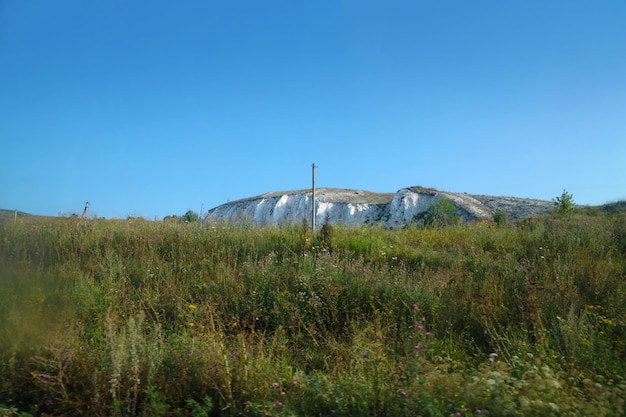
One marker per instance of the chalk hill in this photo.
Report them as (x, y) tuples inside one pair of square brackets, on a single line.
[(364, 207)]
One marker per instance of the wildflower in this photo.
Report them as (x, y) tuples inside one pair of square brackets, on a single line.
[(192, 306), (403, 393), (415, 306), (365, 354), (276, 385), (295, 382), (479, 411), (191, 324)]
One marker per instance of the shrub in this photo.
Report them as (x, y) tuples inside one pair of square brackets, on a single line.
[(326, 233), (564, 204), (190, 217), (442, 213), (500, 218)]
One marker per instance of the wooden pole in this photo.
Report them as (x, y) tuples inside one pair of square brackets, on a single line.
[(86, 210), (313, 202)]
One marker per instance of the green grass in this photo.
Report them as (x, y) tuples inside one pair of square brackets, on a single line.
[(138, 318), (11, 215)]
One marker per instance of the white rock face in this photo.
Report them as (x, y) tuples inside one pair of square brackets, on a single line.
[(264, 210), (407, 204), (357, 207), (277, 208)]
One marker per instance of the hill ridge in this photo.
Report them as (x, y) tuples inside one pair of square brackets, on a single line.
[(352, 206)]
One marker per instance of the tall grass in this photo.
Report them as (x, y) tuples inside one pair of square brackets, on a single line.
[(139, 318)]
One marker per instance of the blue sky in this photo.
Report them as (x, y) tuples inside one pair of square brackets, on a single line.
[(153, 108)]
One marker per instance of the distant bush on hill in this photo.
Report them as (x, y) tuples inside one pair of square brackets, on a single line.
[(564, 204), (189, 217), (614, 208), (441, 213)]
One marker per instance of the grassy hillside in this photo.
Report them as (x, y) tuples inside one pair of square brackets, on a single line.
[(9, 215), (139, 318)]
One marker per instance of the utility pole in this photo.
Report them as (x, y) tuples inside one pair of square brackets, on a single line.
[(86, 210), (313, 166)]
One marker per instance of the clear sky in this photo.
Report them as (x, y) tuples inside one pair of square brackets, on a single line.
[(152, 108)]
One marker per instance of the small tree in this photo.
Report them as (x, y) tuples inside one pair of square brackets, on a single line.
[(190, 217), (305, 238), (440, 214), (326, 233), (500, 218), (564, 204)]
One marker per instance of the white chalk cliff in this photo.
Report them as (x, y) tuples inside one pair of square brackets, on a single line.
[(358, 207)]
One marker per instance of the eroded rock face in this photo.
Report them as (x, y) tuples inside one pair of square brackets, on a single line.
[(358, 207)]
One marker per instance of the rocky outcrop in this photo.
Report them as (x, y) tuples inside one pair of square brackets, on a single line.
[(515, 208), (358, 207)]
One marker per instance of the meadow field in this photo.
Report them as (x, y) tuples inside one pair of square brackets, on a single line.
[(141, 318)]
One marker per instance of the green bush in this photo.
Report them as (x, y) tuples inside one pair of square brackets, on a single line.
[(564, 204), (500, 218), (441, 213)]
